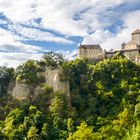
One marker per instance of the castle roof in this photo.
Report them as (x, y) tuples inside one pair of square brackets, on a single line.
[(90, 46), (136, 32)]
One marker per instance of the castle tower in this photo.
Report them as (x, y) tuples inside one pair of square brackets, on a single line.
[(136, 37)]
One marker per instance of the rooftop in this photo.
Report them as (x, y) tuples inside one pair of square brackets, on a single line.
[(136, 31), (90, 46)]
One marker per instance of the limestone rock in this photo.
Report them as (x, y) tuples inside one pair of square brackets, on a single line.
[(21, 91), (53, 78)]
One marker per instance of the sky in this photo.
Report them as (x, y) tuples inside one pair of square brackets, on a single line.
[(29, 28)]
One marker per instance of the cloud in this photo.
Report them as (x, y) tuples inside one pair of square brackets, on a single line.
[(110, 40), (131, 23), (28, 33), (8, 42), (25, 10), (14, 59), (73, 18), (97, 37)]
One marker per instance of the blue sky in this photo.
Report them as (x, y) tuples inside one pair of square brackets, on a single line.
[(28, 28)]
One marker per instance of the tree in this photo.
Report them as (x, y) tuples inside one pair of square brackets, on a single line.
[(53, 59), (134, 133), (83, 132), (6, 74), (27, 71), (32, 133)]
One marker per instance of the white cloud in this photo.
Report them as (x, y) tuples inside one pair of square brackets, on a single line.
[(131, 23), (58, 15), (97, 37), (8, 42), (28, 33), (108, 40), (18, 10), (14, 59)]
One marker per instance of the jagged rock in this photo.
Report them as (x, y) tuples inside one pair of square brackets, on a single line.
[(38, 90), (21, 91), (53, 77)]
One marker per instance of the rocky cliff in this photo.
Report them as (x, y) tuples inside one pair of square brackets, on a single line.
[(53, 78)]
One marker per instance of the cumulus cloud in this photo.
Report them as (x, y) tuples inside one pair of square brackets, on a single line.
[(60, 15), (97, 37), (14, 59), (110, 40), (131, 23), (28, 33), (8, 42)]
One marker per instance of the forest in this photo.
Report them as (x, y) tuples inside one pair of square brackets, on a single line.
[(104, 101)]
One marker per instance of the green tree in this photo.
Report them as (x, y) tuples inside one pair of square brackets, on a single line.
[(28, 72), (83, 132), (32, 133), (53, 59), (6, 74)]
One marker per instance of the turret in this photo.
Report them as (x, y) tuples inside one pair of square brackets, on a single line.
[(136, 37)]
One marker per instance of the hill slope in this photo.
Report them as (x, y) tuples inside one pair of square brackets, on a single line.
[(103, 102)]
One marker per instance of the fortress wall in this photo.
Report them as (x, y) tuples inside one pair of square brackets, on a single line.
[(91, 53), (129, 46), (82, 53), (136, 38)]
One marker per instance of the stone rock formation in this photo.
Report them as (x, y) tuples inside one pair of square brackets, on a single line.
[(53, 78)]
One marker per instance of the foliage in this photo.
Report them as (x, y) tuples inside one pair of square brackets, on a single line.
[(104, 101), (83, 132), (53, 59), (6, 74), (27, 71)]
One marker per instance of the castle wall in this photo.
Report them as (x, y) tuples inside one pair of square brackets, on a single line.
[(91, 53), (130, 45), (136, 38), (82, 53), (109, 54)]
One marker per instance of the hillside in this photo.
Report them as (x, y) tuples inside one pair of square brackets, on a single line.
[(101, 101)]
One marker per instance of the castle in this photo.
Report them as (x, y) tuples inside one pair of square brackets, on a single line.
[(130, 50)]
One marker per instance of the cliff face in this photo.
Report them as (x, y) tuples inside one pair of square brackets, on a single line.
[(21, 90), (53, 78)]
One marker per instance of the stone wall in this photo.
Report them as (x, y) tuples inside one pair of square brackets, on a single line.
[(130, 45), (92, 53), (136, 38), (109, 54)]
